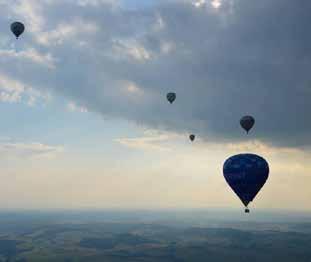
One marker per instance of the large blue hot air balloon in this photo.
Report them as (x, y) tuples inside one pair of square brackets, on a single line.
[(246, 174)]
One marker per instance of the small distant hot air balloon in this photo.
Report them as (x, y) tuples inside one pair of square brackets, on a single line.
[(171, 97), (246, 174), (17, 28), (247, 122), (192, 137)]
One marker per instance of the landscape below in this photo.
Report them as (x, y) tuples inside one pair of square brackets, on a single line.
[(153, 236)]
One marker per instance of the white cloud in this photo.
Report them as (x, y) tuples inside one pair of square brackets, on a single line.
[(216, 3), (97, 2), (30, 54), (29, 11), (199, 3), (14, 91), (72, 107), (34, 149), (167, 47), (10, 90), (152, 140), (132, 90), (65, 31), (259, 147), (159, 23), (145, 143), (130, 48), (10, 97), (11, 85)]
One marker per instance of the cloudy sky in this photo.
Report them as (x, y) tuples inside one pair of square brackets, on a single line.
[(84, 118)]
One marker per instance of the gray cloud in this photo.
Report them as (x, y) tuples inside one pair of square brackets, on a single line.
[(246, 57)]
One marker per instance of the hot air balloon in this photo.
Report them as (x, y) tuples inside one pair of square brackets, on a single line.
[(171, 97), (192, 137), (247, 122), (246, 174), (17, 28)]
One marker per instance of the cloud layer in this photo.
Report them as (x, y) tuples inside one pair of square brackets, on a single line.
[(224, 59)]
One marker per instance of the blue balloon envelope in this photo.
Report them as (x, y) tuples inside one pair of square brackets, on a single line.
[(246, 174), (171, 97)]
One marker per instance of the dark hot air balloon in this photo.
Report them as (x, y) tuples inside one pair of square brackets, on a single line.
[(171, 97), (17, 28), (247, 122), (192, 137), (246, 174)]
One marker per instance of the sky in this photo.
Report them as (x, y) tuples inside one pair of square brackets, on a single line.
[(84, 117)]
